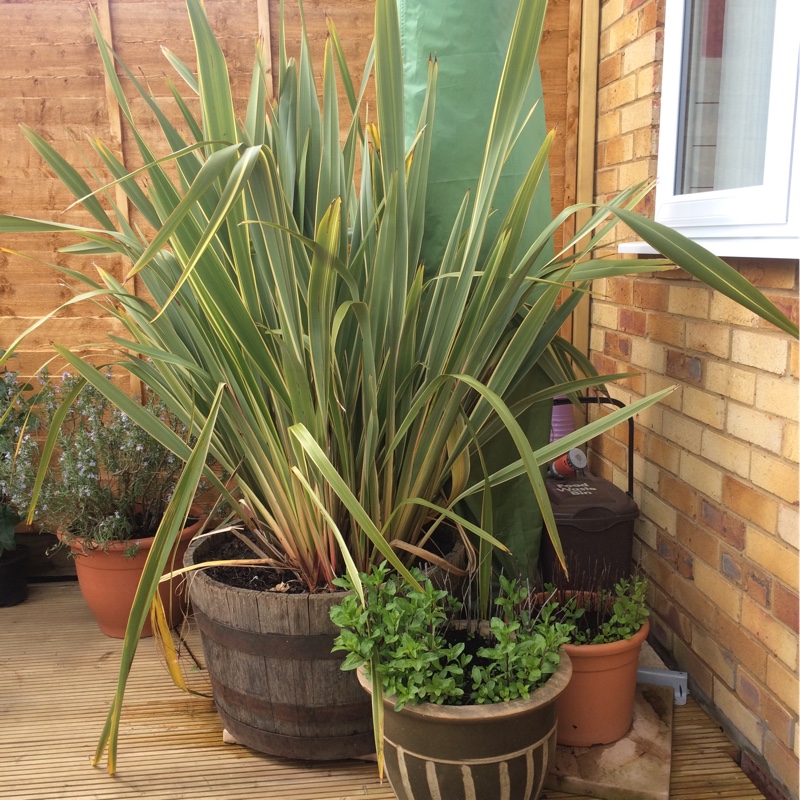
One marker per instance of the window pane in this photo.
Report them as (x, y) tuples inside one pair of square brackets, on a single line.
[(727, 64)]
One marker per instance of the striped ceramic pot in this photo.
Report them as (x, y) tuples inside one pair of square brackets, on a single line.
[(500, 751)]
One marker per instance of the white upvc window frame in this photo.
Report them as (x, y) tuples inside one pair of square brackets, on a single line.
[(755, 221)]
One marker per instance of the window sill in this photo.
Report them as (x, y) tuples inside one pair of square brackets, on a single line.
[(731, 248)]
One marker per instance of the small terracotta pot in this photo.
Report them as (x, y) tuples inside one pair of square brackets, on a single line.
[(597, 705), (467, 752), (108, 580)]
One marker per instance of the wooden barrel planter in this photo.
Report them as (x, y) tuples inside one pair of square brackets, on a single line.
[(277, 686)]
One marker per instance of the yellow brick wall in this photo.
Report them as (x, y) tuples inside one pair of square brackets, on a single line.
[(716, 463)]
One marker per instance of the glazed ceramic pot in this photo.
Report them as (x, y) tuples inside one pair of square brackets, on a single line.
[(108, 579), (597, 706), (479, 751)]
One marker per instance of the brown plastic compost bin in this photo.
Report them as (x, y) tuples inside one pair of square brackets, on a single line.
[(595, 523)]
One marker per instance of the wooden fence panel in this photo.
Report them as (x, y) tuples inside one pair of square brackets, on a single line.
[(51, 79)]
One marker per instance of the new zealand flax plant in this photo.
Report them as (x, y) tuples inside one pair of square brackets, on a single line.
[(347, 390)]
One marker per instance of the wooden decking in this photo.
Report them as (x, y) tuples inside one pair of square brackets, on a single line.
[(57, 678)]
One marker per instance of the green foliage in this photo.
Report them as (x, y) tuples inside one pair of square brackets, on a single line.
[(16, 417), (108, 479), (602, 617), (423, 651)]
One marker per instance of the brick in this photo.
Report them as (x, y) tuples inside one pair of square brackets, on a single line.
[(703, 406), (782, 761), (749, 503), (701, 677), (606, 181), (708, 337), (717, 589), (721, 662), (731, 567), (648, 18), (723, 309), (638, 54), (644, 142), (728, 527), (789, 526), (666, 328), (758, 585), (789, 447), (650, 294), (773, 555), (748, 689), (682, 367), (620, 290), (775, 476), (728, 454), (605, 315), (603, 364), (777, 396), (785, 606), (788, 305), (661, 633), (649, 355), (610, 12), (783, 684), (622, 32), (632, 321), (610, 69), (772, 274), (617, 346), (635, 171), (689, 301), (682, 431), (620, 93), (658, 571), (678, 494), (705, 478), (748, 650), (763, 350), (755, 427), (645, 532), (646, 84), (780, 721), (770, 632), (698, 540), (651, 418), (734, 383), (663, 453), (658, 511), (608, 128), (732, 708)]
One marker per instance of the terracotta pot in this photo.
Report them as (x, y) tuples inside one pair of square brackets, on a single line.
[(277, 686), (484, 751), (597, 706), (108, 580)]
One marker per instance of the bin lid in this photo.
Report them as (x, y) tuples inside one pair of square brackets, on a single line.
[(589, 502)]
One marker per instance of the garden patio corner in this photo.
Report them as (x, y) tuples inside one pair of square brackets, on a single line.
[(714, 464)]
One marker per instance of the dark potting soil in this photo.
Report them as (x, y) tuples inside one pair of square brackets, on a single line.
[(260, 579)]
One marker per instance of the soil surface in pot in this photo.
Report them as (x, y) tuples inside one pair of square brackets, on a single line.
[(259, 579)]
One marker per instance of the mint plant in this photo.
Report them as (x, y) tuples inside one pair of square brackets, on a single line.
[(424, 651), (602, 617)]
